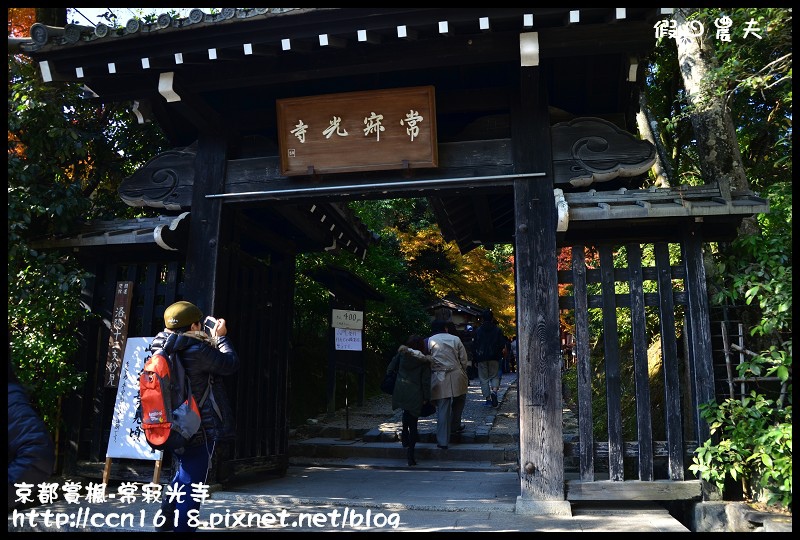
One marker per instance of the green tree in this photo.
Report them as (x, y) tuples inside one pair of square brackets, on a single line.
[(66, 157), (744, 83)]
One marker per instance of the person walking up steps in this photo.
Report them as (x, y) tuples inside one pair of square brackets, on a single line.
[(489, 343), (412, 388), (448, 378)]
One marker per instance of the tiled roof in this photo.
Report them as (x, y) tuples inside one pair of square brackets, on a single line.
[(42, 35)]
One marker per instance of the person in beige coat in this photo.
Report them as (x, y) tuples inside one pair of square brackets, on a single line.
[(448, 378)]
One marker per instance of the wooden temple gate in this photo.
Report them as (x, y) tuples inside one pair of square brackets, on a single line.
[(530, 115), (653, 385)]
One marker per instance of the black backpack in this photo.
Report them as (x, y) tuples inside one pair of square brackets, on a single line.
[(487, 342)]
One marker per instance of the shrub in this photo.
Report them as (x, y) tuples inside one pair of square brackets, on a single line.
[(753, 445)]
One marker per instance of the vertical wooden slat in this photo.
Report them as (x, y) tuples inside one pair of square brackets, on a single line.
[(330, 380), (613, 377), (251, 326), (260, 402), (262, 420), (247, 286), (644, 422), (277, 357), (669, 360), (171, 285), (227, 278), (699, 330), (278, 299), (584, 364), (149, 295), (76, 408), (256, 282), (726, 349), (100, 403), (244, 325)]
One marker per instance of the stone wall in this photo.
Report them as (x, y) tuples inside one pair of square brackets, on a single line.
[(724, 516)]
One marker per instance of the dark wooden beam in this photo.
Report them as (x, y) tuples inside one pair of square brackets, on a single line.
[(634, 490), (182, 98), (204, 245)]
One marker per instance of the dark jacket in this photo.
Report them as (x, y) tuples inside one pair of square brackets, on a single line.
[(31, 453), (489, 342), (201, 359), (413, 386)]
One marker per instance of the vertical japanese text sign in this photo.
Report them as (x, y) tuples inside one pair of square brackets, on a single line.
[(119, 332), (126, 439)]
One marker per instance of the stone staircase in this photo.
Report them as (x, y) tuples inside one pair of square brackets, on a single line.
[(489, 443)]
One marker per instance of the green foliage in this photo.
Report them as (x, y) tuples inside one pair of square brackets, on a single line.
[(758, 271), (753, 76), (502, 257), (411, 267), (42, 320), (752, 443), (387, 323), (66, 158)]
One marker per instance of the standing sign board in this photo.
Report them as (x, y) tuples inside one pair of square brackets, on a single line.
[(347, 326), (127, 438), (358, 131)]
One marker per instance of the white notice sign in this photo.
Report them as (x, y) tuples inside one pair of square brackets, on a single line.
[(342, 318), (127, 438), (348, 340)]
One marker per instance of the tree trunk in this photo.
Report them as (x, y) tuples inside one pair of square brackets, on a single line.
[(648, 128), (717, 145)]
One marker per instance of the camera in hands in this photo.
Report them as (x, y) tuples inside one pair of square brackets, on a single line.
[(209, 324)]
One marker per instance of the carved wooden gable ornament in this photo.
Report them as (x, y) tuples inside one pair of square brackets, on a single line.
[(588, 150)]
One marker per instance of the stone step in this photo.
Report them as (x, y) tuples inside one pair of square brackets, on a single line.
[(363, 452), (342, 448), (463, 454)]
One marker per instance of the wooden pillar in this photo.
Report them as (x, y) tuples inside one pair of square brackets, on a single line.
[(330, 387), (541, 451), (203, 250)]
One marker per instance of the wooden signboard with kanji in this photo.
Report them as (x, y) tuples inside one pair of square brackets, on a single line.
[(119, 332), (358, 131)]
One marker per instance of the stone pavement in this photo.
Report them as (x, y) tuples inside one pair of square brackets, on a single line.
[(317, 499), (376, 421), (472, 486), (362, 483)]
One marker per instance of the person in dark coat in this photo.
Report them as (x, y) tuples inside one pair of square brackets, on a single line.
[(206, 359), (489, 342), (31, 453), (412, 388)]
